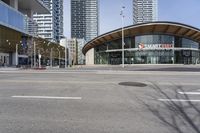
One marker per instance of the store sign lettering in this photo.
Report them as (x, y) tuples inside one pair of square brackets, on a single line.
[(142, 45)]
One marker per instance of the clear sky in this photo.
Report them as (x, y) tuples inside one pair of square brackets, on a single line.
[(184, 11)]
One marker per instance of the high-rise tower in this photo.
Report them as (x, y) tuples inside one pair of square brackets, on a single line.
[(84, 19), (145, 11), (50, 26)]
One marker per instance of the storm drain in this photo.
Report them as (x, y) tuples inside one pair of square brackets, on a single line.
[(135, 84)]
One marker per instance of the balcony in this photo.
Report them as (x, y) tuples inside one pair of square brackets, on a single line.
[(14, 19), (35, 5), (31, 27)]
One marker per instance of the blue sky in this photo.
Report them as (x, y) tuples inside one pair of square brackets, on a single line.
[(184, 11)]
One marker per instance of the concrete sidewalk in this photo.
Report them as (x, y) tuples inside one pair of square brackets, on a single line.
[(139, 67), (9, 68)]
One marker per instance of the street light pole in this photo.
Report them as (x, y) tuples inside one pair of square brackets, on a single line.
[(16, 58), (65, 56), (173, 52), (122, 14), (58, 57), (34, 54), (39, 58), (51, 61)]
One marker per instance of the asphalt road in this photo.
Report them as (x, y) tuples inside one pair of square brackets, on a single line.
[(89, 101)]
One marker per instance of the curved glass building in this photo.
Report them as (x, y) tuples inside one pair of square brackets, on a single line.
[(146, 43)]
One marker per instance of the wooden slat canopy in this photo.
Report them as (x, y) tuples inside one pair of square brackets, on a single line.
[(158, 27)]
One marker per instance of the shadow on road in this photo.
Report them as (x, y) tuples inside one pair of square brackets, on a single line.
[(177, 112)]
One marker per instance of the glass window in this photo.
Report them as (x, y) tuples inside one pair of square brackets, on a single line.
[(127, 43), (11, 17), (117, 44), (101, 58), (101, 48), (186, 43), (154, 40)]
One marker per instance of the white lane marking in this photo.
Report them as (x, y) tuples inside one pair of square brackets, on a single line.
[(189, 93), (48, 72), (48, 97), (178, 100), (146, 73)]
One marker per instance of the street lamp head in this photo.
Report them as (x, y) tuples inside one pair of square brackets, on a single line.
[(122, 11)]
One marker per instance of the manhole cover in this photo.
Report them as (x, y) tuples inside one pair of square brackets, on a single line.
[(136, 84)]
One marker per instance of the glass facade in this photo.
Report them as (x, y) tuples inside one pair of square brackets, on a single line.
[(84, 19), (149, 49), (154, 39), (50, 26), (186, 43), (11, 17), (145, 11)]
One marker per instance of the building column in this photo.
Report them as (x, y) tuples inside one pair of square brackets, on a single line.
[(29, 13), (14, 4), (90, 57), (14, 59)]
